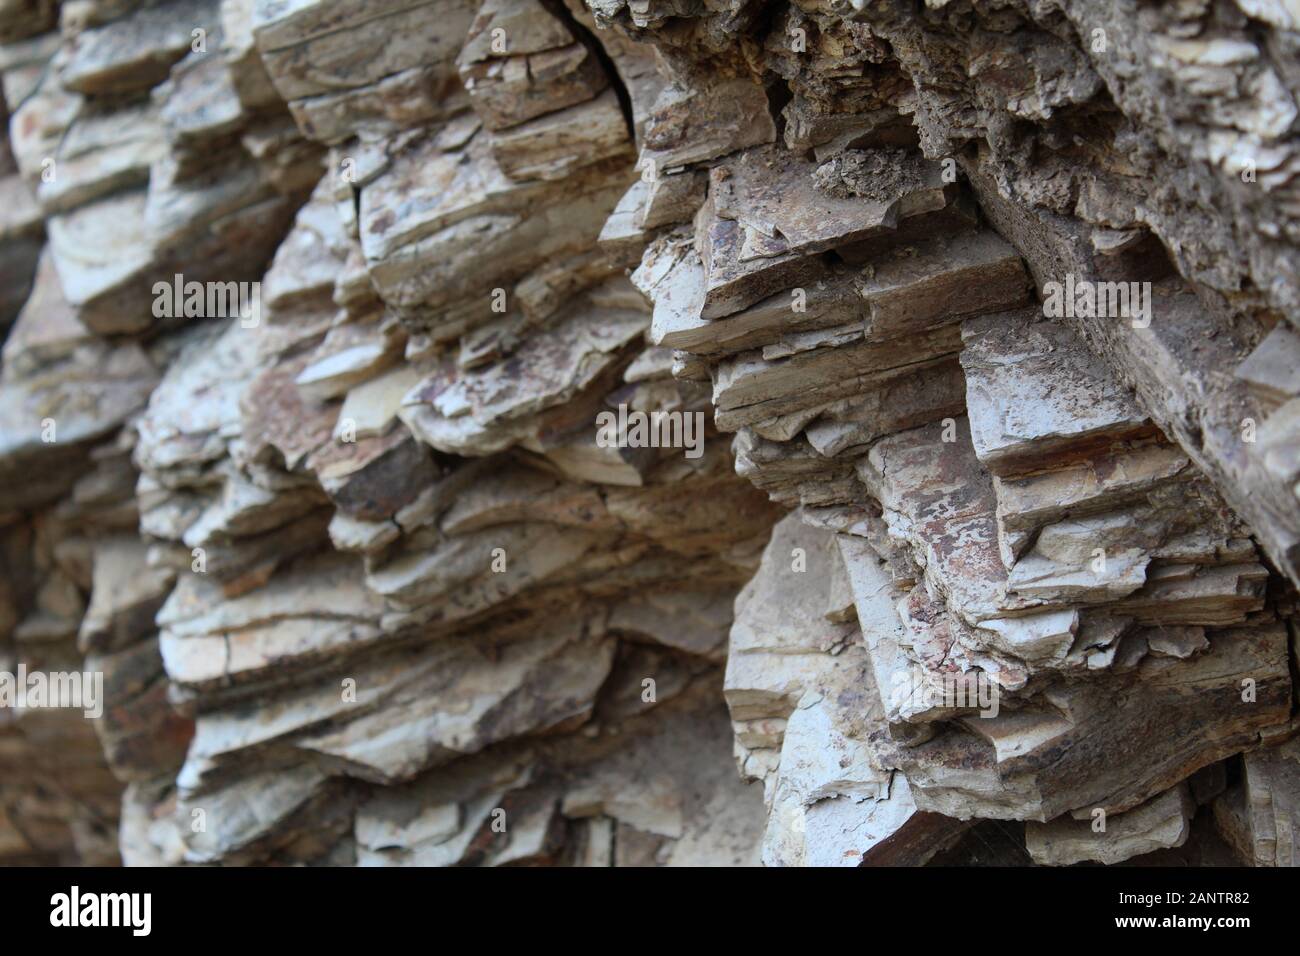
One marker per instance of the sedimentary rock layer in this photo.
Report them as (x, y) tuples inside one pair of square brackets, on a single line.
[(517, 432)]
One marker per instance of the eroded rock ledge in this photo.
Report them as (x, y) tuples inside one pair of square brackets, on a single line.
[(950, 557)]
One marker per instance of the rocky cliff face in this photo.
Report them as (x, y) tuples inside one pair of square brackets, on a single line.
[(651, 433)]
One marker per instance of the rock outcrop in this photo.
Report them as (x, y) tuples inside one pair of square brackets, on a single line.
[(486, 432)]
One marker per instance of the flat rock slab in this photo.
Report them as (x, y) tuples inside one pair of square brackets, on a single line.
[(1036, 395), (477, 411), (1158, 824), (1088, 746), (137, 51), (766, 219)]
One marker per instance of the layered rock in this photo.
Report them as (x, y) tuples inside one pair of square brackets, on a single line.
[(408, 607), (334, 330), (1043, 511)]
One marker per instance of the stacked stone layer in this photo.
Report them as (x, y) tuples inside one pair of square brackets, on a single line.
[(366, 583)]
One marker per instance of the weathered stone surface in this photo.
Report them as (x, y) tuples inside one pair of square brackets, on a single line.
[(1158, 824), (1034, 391), (766, 217), (371, 579), (796, 693), (1260, 812), (135, 52)]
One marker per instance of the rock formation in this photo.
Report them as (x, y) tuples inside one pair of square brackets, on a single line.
[(650, 432)]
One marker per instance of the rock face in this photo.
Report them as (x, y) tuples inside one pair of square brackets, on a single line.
[(468, 433)]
